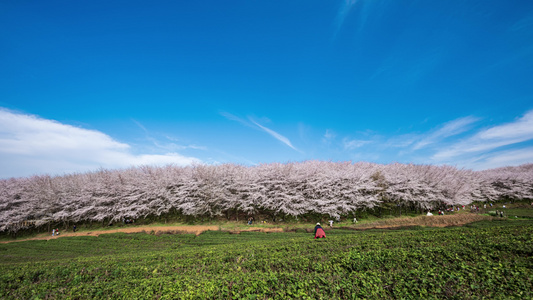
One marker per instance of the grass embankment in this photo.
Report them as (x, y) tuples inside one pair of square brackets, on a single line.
[(456, 219), (519, 213), (489, 259)]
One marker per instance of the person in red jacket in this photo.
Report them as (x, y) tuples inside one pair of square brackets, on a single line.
[(319, 232)]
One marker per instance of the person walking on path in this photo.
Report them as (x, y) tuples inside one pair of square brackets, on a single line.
[(330, 223), (74, 228), (53, 232), (319, 232)]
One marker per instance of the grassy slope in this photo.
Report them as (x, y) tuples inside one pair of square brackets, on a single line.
[(486, 259), (520, 209)]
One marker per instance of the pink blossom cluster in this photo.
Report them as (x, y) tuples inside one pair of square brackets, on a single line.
[(335, 189)]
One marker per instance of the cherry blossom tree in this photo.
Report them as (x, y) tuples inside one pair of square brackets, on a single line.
[(275, 190)]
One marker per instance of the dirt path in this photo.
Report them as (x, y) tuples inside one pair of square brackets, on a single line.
[(172, 229)]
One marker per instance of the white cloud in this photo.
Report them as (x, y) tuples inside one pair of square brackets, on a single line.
[(446, 144), (489, 139), (498, 159), (353, 144), (401, 141), (329, 134), (235, 118), (32, 145), (508, 158), (276, 135), (451, 128), (343, 14), (328, 137), (521, 129), (160, 159), (164, 145)]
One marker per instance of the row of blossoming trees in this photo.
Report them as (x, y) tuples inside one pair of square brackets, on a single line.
[(303, 190)]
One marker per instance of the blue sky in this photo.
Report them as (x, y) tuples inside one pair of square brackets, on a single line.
[(111, 84)]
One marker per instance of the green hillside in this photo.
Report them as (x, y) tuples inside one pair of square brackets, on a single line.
[(490, 259)]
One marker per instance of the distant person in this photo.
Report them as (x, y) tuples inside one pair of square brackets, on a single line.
[(355, 220), (330, 223), (319, 232), (53, 232), (57, 231), (74, 228)]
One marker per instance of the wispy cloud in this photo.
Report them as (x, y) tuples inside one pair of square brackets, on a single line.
[(232, 117), (492, 138), (140, 125), (33, 145), (276, 135), (183, 147), (344, 10), (451, 128), (354, 144), (328, 137), (402, 141), (524, 24), (454, 142), (256, 125), (161, 142), (505, 158)]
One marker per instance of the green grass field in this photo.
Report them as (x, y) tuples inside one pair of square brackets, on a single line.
[(489, 259), (519, 212)]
